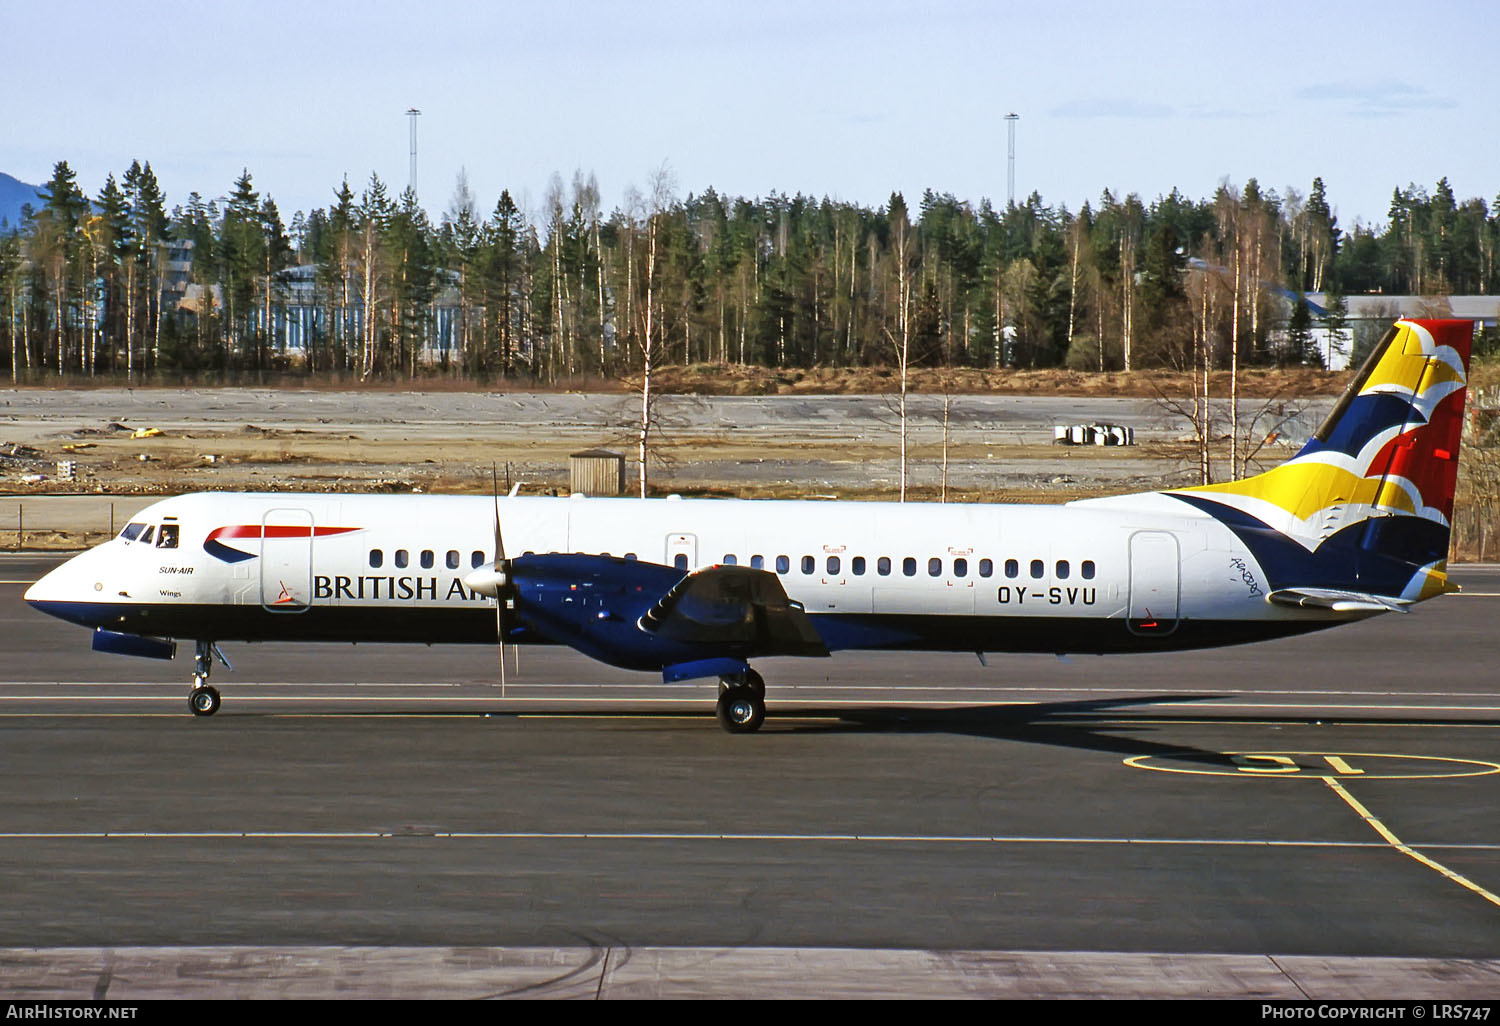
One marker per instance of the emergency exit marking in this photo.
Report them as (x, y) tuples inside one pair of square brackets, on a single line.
[(1315, 765)]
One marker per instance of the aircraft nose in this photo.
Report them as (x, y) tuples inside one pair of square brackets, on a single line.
[(62, 591), (44, 588)]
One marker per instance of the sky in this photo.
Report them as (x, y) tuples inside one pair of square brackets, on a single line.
[(848, 100)]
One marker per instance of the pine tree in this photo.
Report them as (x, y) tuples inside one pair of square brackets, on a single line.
[(117, 271), (504, 261), (276, 255), (413, 254), (56, 243), (241, 258)]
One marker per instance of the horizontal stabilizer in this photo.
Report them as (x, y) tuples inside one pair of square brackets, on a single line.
[(1339, 601), (734, 606)]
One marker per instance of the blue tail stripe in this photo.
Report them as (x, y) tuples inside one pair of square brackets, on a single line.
[(1366, 417), (1376, 556)]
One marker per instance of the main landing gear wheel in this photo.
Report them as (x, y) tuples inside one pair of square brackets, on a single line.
[(742, 703), (204, 700)]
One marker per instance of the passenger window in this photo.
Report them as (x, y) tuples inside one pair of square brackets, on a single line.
[(377, 558), (857, 564), (680, 561), (132, 531), (730, 559), (166, 538), (427, 559), (809, 564), (1088, 569), (883, 566), (1062, 570), (1012, 568), (1038, 568), (757, 562), (934, 567), (986, 568), (452, 559), (960, 568), (833, 564), (146, 538), (402, 559), (476, 559), (909, 567)]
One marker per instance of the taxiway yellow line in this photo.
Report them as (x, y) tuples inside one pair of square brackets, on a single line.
[(1406, 849)]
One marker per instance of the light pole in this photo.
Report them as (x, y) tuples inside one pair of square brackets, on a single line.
[(412, 114), (1010, 180)]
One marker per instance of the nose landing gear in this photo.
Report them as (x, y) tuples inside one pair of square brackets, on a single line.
[(203, 699)]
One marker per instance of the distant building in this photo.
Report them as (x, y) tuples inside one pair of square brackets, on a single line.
[(1484, 309), (1373, 313), (1365, 314), (301, 314)]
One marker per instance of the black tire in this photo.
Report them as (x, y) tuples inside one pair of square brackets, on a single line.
[(204, 701), (749, 679), (741, 710), (756, 683)]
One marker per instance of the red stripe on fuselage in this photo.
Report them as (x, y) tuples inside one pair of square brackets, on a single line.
[(275, 531)]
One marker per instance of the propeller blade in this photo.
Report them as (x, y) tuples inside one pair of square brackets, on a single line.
[(499, 575)]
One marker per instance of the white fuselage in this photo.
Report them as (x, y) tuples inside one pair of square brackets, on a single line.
[(1137, 572)]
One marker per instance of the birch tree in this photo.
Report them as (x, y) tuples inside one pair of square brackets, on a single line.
[(662, 184)]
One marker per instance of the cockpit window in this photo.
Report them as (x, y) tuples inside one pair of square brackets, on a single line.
[(166, 538), (146, 538), (132, 531)]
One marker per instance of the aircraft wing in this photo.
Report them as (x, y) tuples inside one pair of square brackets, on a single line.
[(738, 606)]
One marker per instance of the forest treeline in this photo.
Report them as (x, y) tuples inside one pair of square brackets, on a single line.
[(119, 286)]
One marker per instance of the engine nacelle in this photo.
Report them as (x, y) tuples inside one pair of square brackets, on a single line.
[(133, 645)]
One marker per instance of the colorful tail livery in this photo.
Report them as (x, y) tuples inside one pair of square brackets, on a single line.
[(1360, 517)]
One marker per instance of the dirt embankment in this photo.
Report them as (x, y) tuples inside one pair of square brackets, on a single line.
[(733, 379), (711, 379)]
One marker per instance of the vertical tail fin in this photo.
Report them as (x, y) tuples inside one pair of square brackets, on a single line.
[(1367, 504)]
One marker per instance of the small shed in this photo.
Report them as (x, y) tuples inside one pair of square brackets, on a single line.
[(596, 472)]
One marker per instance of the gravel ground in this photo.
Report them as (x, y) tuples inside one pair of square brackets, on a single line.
[(999, 447)]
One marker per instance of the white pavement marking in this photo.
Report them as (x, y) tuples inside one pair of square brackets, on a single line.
[(687, 688), (246, 699), (616, 835)]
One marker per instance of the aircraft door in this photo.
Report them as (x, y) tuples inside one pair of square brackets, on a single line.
[(1155, 583), (286, 566)]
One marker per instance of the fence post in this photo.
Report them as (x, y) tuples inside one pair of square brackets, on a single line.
[(20, 526)]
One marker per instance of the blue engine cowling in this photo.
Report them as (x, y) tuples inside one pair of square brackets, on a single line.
[(595, 603)]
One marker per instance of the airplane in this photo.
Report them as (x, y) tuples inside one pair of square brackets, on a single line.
[(1354, 525)]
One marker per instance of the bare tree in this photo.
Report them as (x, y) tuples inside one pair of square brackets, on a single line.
[(662, 184), (902, 250)]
